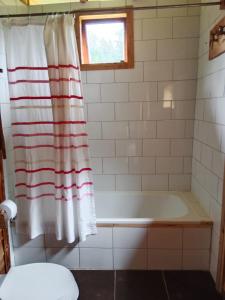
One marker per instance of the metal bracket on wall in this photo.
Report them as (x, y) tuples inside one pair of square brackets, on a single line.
[(222, 4)]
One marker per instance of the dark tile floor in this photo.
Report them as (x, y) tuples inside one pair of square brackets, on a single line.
[(145, 285)]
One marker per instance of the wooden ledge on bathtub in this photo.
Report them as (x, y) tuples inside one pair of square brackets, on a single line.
[(183, 224)]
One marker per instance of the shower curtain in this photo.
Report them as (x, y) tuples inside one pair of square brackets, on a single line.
[(53, 182)]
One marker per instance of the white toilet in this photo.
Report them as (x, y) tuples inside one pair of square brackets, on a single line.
[(37, 281)]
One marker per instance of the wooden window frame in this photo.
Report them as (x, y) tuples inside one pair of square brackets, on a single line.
[(126, 15)]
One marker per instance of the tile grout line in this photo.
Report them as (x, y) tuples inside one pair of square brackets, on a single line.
[(165, 284), (114, 286)]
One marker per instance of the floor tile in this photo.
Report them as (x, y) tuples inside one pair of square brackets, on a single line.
[(95, 285), (140, 285), (191, 285)]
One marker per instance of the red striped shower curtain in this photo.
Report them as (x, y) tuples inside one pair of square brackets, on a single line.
[(53, 183)]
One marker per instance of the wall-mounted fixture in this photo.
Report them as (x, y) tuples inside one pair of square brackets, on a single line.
[(1, 70), (217, 40), (222, 4)]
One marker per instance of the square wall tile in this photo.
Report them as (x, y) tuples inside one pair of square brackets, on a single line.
[(160, 28), (177, 90), (142, 129), (115, 130), (96, 165), (130, 75), (115, 165), (144, 14), (100, 76), (171, 129), (183, 110), (103, 239), (155, 182), (145, 50), (25, 255), (143, 91), (135, 238), (141, 165), (137, 30), (158, 71), (177, 48), (67, 257), (182, 147), (130, 259), (96, 258), (196, 259), (165, 238), (180, 183), (114, 92), (186, 27), (104, 183), (197, 238), (167, 259), (156, 147), (128, 111), (157, 110), (128, 183), (102, 148), (185, 69), (101, 112), (94, 130), (91, 92), (128, 148), (23, 240), (171, 165)]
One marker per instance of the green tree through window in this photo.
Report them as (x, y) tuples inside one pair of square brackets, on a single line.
[(105, 42)]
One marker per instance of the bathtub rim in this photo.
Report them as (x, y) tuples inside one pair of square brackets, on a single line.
[(196, 217)]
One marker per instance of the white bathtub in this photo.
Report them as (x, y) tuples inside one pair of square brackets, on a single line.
[(148, 231), (148, 208)]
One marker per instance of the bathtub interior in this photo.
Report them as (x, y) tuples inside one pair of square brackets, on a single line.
[(148, 206)]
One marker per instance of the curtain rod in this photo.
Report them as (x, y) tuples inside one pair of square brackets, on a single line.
[(112, 9)]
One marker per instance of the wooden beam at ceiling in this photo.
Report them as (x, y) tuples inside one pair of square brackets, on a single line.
[(43, 2)]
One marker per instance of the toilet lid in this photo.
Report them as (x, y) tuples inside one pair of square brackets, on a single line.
[(39, 281)]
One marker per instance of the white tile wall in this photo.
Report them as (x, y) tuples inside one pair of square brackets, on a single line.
[(128, 259), (130, 237), (196, 259), (209, 133), (146, 111), (168, 259), (170, 238), (140, 121), (67, 257), (156, 248), (97, 258)]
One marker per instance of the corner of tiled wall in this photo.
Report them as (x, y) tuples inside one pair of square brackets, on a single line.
[(6, 121), (209, 130)]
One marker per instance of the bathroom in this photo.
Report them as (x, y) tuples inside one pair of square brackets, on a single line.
[(156, 136)]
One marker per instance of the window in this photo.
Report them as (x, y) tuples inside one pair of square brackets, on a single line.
[(105, 41)]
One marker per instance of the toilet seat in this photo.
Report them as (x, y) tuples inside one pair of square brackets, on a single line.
[(39, 281)]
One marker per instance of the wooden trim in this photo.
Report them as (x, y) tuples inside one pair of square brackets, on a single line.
[(220, 280), (83, 47), (203, 224)]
